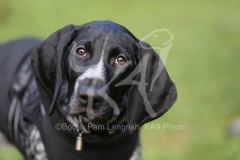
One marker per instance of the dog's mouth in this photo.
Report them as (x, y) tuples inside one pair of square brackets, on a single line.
[(95, 116)]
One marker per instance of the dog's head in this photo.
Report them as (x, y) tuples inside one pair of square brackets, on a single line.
[(102, 65)]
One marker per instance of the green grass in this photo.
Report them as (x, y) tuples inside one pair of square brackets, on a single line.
[(203, 63), (10, 153)]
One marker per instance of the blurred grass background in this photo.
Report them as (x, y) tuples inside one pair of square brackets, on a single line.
[(203, 63)]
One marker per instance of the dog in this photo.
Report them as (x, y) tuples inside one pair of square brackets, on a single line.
[(82, 93)]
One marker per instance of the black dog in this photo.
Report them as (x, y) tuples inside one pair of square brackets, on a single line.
[(102, 83)]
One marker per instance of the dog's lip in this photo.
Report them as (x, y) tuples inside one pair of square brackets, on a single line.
[(83, 112), (98, 116), (77, 111)]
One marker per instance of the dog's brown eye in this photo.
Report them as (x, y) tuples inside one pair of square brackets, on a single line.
[(120, 60), (81, 51)]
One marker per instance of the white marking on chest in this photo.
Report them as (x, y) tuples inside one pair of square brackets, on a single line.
[(136, 154), (43, 110)]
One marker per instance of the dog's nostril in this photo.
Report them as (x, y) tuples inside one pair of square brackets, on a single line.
[(97, 100), (84, 97)]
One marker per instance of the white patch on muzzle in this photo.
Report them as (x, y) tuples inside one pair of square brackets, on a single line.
[(94, 72)]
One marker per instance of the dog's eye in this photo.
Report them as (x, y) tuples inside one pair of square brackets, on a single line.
[(121, 60), (81, 51)]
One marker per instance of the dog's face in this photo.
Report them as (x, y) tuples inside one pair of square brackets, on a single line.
[(99, 52), (94, 61)]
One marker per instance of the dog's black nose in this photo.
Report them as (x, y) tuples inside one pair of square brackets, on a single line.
[(89, 96)]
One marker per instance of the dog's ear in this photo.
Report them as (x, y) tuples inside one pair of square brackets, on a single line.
[(154, 93), (47, 61)]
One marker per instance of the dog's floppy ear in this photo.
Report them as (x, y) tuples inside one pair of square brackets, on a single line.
[(154, 93), (47, 61)]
